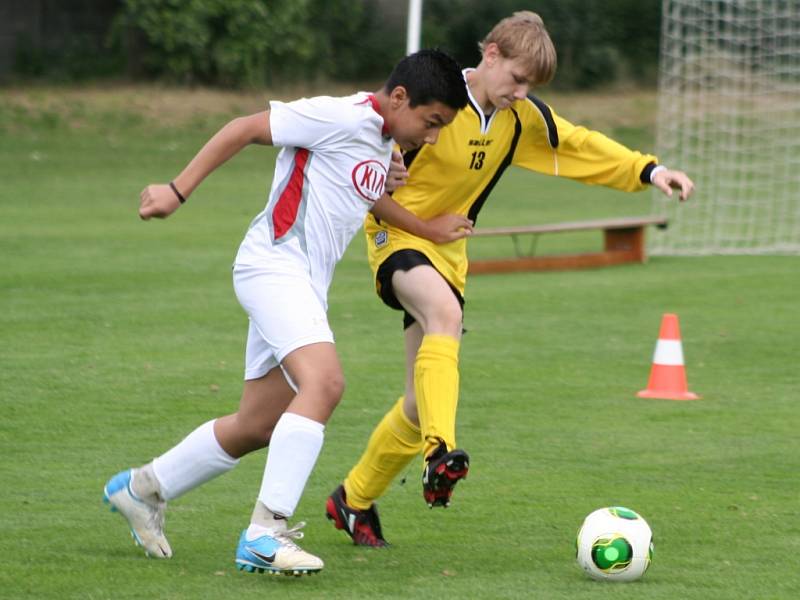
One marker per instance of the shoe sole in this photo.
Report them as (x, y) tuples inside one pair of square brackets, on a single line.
[(454, 471), (249, 567)]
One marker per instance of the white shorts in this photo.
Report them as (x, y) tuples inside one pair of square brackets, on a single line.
[(285, 314)]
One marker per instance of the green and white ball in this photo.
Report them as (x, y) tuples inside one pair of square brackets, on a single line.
[(615, 544)]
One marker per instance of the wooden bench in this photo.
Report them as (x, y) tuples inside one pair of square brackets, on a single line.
[(623, 243)]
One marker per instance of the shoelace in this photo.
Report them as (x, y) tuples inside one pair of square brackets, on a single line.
[(293, 533)]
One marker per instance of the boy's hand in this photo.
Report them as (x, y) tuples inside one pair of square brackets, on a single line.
[(447, 228), (397, 173), (157, 200), (668, 179)]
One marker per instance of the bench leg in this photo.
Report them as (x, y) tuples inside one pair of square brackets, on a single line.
[(630, 241)]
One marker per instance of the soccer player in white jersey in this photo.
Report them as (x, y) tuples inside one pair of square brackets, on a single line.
[(332, 169)]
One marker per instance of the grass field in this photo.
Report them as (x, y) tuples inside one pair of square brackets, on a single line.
[(119, 337)]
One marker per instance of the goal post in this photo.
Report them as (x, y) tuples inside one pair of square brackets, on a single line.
[(414, 26), (729, 115)]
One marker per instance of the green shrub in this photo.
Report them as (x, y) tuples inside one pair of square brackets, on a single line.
[(226, 42), (597, 42)]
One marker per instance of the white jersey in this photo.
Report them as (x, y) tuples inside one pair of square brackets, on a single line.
[(330, 171)]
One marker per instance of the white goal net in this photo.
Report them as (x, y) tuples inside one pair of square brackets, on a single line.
[(729, 115)]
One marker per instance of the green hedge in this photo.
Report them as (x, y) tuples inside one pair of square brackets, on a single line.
[(237, 43), (226, 42), (597, 41)]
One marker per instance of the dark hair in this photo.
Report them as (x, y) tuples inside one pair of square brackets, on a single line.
[(430, 76)]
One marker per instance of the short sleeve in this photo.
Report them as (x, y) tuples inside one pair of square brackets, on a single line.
[(309, 123)]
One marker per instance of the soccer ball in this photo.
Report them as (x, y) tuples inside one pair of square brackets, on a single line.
[(614, 544)]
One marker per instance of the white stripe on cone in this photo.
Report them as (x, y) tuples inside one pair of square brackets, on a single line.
[(669, 353)]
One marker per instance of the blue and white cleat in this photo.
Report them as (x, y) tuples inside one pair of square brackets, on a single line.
[(145, 517), (276, 554)]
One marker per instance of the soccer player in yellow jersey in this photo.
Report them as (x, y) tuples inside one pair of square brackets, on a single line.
[(502, 125)]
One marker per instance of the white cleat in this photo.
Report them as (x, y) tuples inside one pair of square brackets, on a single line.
[(276, 554), (146, 518)]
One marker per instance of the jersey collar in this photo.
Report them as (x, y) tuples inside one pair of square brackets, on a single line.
[(373, 101), (486, 120)]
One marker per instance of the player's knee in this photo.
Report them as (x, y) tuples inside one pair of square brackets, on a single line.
[(336, 385), (253, 432), (444, 318), (410, 409), (328, 386)]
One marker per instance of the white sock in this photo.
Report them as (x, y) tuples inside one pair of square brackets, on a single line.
[(195, 460), (293, 451), (144, 484), (265, 522)]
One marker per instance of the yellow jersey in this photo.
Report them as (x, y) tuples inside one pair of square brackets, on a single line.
[(457, 174)]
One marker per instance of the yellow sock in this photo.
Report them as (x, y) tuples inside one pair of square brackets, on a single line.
[(436, 387), (392, 445)]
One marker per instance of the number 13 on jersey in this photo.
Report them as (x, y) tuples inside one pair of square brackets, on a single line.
[(477, 160)]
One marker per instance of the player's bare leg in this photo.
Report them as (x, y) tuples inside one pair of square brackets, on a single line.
[(317, 372), (412, 337), (250, 428)]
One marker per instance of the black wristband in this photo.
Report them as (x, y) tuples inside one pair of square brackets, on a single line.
[(644, 176), (181, 199)]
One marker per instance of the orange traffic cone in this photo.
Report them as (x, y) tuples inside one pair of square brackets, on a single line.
[(667, 375)]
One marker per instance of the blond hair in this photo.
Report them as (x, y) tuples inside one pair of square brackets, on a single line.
[(523, 36)]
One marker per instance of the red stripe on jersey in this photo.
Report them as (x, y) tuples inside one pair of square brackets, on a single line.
[(285, 212), (373, 101)]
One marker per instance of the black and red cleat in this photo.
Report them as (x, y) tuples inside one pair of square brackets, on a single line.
[(363, 526), (442, 471)]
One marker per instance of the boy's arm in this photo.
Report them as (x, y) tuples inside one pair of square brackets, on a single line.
[(440, 230), (554, 146), (161, 200), (584, 155)]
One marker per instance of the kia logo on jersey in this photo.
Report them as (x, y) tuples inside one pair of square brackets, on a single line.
[(369, 179)]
